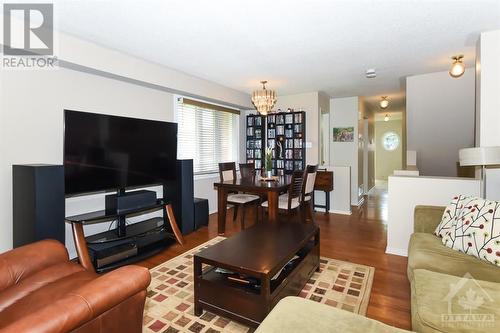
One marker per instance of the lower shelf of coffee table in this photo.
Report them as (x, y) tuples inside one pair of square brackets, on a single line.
[(250, 305)]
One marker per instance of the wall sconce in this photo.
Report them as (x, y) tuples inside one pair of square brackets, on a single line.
[(384, 103), (457, 68)]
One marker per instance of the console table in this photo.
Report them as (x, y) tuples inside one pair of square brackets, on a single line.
[(324, 182)]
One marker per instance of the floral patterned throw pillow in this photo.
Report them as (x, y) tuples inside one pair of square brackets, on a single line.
[(472, 225)]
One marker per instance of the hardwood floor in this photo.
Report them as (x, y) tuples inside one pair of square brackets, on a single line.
[(359, 238)]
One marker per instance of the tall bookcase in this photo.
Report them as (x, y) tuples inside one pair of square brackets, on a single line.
[(255, 140), (286, 133)]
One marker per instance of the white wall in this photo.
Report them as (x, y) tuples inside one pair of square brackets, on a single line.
[(82, 53), (440, 120), (437, 191), (344, 113), (103, 81), (309, 103), (488, 102)]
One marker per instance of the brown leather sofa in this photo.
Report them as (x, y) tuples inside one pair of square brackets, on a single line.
[(42, 291)]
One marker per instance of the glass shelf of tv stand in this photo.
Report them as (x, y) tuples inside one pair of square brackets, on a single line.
[(106, 215)]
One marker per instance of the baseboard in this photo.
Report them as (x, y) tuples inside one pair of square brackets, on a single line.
[(397, 252), (342, 212)]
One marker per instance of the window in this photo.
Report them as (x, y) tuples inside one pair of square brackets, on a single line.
[(390, 141), (208, 134)]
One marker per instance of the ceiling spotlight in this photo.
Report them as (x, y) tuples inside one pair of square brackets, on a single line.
[(384, 103), (457, 68), (386, 118)]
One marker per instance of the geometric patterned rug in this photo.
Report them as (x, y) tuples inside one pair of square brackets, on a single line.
[(170, 306)]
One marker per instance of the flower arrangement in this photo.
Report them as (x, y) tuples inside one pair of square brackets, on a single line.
[(269, 159)]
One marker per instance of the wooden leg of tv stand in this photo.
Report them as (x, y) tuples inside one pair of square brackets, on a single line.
[(173, 224), (81, 247)]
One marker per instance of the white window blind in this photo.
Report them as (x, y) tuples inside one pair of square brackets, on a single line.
[(207, 133)]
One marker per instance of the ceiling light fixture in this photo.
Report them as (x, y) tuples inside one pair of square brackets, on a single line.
[(386, 118), (457, 68), (384, 103), (264, 99)]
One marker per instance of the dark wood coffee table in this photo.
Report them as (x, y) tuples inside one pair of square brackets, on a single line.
[(259, 253)]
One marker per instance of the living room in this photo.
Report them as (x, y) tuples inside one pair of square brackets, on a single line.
[(250, 166)]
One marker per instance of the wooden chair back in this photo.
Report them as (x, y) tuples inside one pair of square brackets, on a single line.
[(227, 171), (247, 170), (296, 187), (310, 179)]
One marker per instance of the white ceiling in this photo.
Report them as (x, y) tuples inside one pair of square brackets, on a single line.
[(299, 46)]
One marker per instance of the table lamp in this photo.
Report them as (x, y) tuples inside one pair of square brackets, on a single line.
[(480, 156)]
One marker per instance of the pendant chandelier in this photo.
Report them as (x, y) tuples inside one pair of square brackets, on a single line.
[(264, 99)]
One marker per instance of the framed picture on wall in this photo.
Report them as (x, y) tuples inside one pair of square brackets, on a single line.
[(343, 134)]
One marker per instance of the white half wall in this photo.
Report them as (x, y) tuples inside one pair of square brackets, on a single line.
[(406, 192)]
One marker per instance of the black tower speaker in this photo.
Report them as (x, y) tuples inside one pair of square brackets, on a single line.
[(181, 194), (38, 200)]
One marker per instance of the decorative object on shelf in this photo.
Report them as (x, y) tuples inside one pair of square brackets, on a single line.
[(269, 162), (264, 99), (384, 103), (343, 134), (280, 146), (386, 118), (255, 140), (286, 135), (480, 156), (457, 68)]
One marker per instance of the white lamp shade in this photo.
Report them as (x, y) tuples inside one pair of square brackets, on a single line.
[(479, 156)]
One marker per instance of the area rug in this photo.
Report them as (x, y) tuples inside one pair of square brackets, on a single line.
[(170, 306)]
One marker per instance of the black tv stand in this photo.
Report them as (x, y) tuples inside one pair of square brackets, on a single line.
[(121, 222), (132, 243)]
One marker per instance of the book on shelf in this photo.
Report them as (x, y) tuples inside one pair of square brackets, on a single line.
[(297, 154), (298, 117)]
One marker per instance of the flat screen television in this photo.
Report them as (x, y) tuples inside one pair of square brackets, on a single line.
[(103, 152)]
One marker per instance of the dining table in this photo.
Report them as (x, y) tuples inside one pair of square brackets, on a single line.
[(253, 185)]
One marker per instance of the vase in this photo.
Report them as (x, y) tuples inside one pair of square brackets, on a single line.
[(269, 174)]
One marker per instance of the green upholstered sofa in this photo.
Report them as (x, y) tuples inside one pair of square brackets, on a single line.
[(299, 315), (450, 291), (438, 286)]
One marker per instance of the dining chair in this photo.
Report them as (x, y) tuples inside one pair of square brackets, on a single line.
[(247, 170), (308, 192), (227, 172), (291, 201)]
